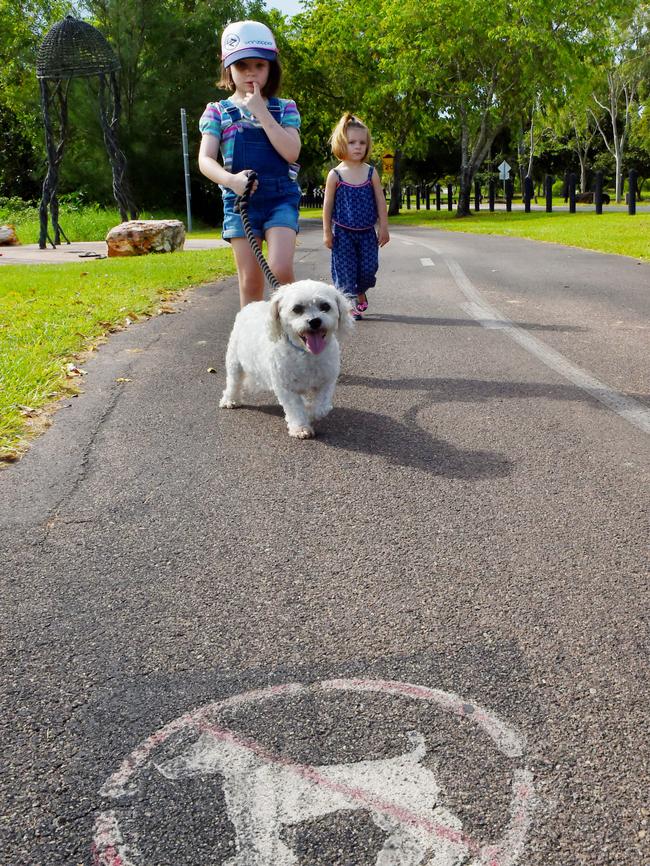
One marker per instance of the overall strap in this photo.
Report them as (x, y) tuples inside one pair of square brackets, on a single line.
[(275, 107), (232, 109), (338, 175), (370, 171)]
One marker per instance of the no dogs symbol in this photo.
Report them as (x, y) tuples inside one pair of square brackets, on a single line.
[(272, 777)]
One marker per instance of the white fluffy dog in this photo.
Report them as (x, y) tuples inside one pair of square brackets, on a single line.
[(289, 346)]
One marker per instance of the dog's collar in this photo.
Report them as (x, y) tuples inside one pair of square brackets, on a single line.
[(293, 346)]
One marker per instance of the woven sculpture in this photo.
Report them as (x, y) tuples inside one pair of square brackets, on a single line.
[(75, 49)]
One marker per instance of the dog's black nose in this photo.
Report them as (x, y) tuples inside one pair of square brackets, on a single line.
[(315, 324)]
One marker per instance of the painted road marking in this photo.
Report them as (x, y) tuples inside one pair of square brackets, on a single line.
[(265, 792), (427, 263), (626, 407)]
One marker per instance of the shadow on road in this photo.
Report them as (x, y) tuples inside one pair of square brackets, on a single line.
[(408, 444), (471, 323), (448, 390)]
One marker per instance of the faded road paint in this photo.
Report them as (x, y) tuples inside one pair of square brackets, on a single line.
[(265, 791)]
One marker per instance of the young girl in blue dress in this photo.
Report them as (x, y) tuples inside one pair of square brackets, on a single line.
[(255, 130), (353, 205)]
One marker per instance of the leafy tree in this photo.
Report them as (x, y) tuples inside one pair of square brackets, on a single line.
[(616, 98), (482, 63)]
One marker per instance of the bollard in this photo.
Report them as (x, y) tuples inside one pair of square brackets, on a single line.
[(450, 197), (417, 197), (427, 196), (491, 193), (572, 193), (509, 193), (631, 197), (438, 195), (528, 192), (548, 188), (598, 191), (565, 187), (477, 195)]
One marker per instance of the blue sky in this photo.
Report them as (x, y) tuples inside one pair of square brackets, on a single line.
[(287, 7)]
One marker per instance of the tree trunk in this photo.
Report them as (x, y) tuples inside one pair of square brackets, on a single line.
[(396, 185)]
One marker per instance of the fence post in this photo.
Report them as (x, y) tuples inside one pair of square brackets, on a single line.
[(450, 196), (509, 191), (477, 195), (548, 190), (427, 193), (572, 193), (417, 197), (631, 196), (598, 191), (491, 192), (438, 193), (565, 187), (528, 192), (408, 198)]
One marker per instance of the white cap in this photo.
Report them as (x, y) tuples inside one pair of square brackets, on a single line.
[(243, 39)]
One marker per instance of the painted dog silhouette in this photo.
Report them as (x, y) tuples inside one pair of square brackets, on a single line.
[(265, 793)]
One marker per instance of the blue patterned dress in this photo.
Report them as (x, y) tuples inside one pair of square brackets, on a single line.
[(355, 257)]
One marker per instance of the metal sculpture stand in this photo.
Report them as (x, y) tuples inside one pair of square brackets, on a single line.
[(73, 48)]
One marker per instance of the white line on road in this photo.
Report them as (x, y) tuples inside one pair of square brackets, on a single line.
[(489, 317), (427, 263), (633, 412)]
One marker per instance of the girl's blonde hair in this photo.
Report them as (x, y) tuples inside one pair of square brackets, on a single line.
[(339, 138)]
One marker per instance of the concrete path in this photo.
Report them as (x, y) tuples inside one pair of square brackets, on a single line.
[(421, 638), (31, 254)]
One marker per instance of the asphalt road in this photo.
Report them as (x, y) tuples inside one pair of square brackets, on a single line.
[(453, 576)]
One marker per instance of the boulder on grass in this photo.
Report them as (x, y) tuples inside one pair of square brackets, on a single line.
[(8, 236), (139, 237)]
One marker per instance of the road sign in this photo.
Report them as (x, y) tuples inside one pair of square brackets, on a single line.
[(504, 171), (387, 162)]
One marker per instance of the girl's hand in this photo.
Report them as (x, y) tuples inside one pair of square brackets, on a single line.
[(239, 181), (328, 240), (254, 102), (382, 236)]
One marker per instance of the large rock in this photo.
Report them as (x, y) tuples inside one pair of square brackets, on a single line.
[(8, 236), (139, 237)]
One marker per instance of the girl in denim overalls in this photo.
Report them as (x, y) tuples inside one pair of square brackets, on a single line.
[(354, 203), (255, 131)]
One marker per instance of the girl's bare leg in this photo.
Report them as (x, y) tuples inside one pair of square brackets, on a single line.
[(281, 244), (251, 278)]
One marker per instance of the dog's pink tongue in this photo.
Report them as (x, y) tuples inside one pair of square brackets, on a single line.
[(315, 342)]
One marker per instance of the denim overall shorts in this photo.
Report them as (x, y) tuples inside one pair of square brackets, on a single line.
[(276, 200)]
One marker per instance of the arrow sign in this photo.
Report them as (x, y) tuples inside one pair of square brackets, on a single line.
[(504, 171)]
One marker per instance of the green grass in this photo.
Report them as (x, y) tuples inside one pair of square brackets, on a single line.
[(616, 233), (82, 222), (51, 314)]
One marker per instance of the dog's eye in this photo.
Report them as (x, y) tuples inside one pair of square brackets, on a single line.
[(325, 307), (298, 309)]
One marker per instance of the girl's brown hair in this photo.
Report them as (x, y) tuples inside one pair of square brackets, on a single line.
[(339, 138), (272, 82)]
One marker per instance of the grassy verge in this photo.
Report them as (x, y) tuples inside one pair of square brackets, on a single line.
[(82, 222), (51, 314), (616, 233)]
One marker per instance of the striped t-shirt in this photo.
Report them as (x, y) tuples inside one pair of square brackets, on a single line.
[(216, 121)]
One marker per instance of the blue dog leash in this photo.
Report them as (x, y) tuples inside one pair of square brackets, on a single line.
[(241, 207)]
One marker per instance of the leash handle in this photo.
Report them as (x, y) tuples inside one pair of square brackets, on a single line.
[(243, 198), (240, 206)]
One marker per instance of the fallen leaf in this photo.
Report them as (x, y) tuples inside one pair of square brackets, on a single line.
[(27, 411), (122, 379)]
